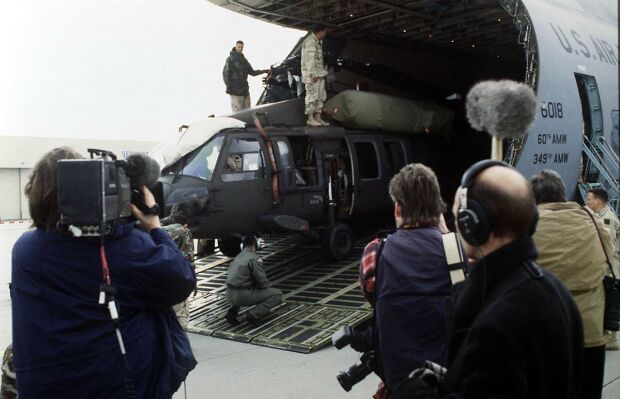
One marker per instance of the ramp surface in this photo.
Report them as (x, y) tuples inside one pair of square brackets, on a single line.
[(320, 295)]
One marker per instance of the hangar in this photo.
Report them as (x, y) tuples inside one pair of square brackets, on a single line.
[(18, 155)]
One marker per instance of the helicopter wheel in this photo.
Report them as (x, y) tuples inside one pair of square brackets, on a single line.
[(338, 241), (205, 247), (230, 246)]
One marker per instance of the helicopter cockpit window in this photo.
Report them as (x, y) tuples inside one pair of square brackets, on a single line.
[(367, 160), (244, 161), (202, 164)]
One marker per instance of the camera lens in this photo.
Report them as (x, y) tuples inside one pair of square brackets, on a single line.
[(355, 374)]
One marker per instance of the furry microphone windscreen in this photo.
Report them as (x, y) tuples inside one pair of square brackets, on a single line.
[(504, 108), (142, 170)]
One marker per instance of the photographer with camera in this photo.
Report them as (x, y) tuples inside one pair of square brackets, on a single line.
[(66, 342), (407, 279), (515, 331)]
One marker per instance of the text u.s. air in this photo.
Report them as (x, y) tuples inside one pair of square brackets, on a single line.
[(397, 77)]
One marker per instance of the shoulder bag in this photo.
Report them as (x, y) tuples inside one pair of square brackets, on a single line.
[(611, 284)]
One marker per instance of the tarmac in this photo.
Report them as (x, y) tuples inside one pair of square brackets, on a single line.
[(228, 369)]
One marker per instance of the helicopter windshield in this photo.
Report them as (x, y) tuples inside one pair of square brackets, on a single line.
[(202, 163)]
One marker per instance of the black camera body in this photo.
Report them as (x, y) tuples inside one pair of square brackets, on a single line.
[(347, 335), (94, 194)]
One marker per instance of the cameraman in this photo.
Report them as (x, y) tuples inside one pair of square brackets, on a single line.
[(65, 344), (408, 279)]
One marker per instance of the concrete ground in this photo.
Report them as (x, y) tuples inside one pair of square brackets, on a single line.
[(228, 369)]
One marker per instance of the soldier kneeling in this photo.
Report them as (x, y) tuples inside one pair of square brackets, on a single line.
[(247, 285)]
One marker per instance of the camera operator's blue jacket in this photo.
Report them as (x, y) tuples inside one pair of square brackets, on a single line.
[(411, 299), (64, 342)]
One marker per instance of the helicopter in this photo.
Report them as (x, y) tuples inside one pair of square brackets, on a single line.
[(262, 170)]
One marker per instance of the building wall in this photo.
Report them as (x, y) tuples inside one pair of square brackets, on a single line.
[(24, 176), (9, 194), (18, 155)]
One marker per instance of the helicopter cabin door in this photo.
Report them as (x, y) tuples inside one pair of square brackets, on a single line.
[(242, 190), (370, 179)]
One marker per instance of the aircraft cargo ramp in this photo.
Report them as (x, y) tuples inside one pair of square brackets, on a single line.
[(320, 295)]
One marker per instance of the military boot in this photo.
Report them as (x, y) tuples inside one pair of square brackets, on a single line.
[(312, 121), (231, 316), (317, 117), (251, 319)]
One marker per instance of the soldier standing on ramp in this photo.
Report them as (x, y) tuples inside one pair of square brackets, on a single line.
[(247, 285), (313, 74)]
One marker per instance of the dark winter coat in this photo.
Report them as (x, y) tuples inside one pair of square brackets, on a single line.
[(515, 333), (235, 73), (411, 299), (64, 342)]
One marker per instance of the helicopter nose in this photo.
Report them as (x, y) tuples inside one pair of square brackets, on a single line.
[(191, 203)]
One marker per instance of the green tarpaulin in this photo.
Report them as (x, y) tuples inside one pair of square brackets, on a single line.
[(364, 110)]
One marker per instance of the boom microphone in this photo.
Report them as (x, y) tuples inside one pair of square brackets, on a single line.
[(504, 108), (142, 170)]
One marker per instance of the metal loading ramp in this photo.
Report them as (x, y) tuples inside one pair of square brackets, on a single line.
[(320, 295)]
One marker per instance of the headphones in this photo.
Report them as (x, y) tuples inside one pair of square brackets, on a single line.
[(472, 218)]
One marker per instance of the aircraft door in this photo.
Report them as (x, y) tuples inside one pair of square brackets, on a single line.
[(599, 161), (591, 106), (189, 181), (370, 190), (242, 189), (592, 126)]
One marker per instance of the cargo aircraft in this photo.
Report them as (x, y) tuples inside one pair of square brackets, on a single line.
[(257, 175)]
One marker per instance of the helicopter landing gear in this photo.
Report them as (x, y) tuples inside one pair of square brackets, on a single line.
[(205, 247), (230, 246), (338, 241)]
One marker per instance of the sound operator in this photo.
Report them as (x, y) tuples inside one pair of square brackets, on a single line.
[(515, 331), (66, 344)]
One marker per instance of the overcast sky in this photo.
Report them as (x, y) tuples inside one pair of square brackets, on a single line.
[(134, 69)]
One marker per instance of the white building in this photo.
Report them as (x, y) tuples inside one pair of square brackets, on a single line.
[(18, 155)]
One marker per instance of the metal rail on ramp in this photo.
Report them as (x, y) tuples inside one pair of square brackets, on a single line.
[(320, 295)]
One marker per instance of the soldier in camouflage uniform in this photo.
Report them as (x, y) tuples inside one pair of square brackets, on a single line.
[(176, 226), (235, 73), (247, 285), (8, 389), (313, 74)]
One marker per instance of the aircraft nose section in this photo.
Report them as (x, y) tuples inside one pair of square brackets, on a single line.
[(189, 201)]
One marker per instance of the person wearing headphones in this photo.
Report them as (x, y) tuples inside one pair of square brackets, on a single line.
[(515, 330), (573, 244)]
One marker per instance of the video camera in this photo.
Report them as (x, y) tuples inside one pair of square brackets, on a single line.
[(360, 342), (94, 194)]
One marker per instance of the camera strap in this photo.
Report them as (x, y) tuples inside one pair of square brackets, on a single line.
[(454, 257), (106, 297), (611, 269)]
